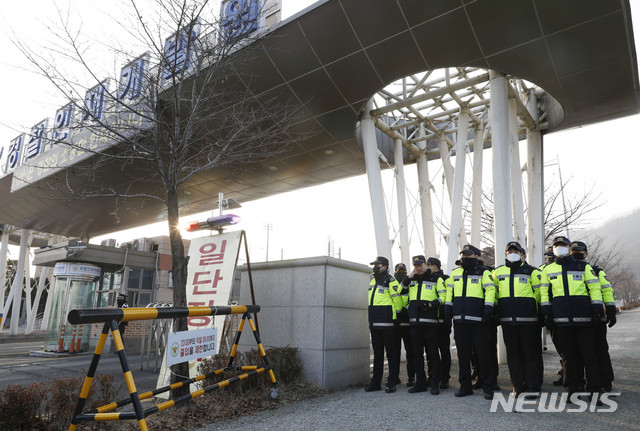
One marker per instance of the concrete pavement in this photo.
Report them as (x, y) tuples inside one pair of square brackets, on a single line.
[(355, 409)]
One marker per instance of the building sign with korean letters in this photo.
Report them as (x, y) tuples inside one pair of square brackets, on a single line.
[(38, 140), (62, 122), (179, 51), (132, 77), (95, 102), (212, 263), (191, 345), (13, 157), (239, 18), (85, 142)]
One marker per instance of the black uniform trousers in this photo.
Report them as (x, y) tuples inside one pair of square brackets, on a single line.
[(444, 345), (578, 347), (403, 336), (425, 338), (477, 338), (563, 365), (524, 355), (602, 355), (385, 340)]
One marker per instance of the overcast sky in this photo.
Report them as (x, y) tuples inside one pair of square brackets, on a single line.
[(602, 156)]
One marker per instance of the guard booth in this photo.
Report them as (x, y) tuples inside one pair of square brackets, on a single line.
[(74, 286), (91, 276)]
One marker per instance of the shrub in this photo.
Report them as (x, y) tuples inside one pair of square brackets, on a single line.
[(21, 407), (285, 363), (62, 400), (630, 305)]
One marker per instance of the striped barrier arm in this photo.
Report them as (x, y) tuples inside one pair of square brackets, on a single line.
[(111, 317)]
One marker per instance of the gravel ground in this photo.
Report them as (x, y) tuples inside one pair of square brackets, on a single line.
[(354, 409)]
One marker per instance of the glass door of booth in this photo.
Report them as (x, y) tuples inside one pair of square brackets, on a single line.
[(74, 287)]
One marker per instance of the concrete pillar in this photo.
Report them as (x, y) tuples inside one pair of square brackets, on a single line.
[(457, 225), (4, 252), (503, 221), (424, 190), (535, 189), (516, 176), (18, 283), (446, 164), (402, 202), (370, 147), (476, 191)]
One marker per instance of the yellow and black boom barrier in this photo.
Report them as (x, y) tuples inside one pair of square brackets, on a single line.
[(111, 317)]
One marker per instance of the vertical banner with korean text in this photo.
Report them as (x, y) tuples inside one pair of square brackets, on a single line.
[(212, 263)]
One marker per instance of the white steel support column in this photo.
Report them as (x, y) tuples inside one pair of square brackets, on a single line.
[(503, 221), (4, 252), (516, 175), (476, 197), (446, 164), (370, 147), (18, 282), (31, 317), (402, 201), (27, 277), (47, 308), (499, 117), (535, 189), (457, 225), (424, 189)]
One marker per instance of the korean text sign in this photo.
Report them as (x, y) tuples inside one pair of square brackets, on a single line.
[(191, 345), (212, 262)]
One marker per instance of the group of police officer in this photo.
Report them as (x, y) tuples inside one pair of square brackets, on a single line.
[(569, 297)]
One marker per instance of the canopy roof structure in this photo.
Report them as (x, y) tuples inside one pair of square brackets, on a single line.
[(337, 54)]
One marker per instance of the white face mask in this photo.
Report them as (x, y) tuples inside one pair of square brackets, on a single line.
[(513, 257), (560, 250)]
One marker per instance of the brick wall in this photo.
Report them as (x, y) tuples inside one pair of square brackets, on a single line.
[(135, 329)]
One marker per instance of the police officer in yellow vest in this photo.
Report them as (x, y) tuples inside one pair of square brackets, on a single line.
[(579, 252), (571, 300), (384, 301), (402, 325), (470, 301), (518, 299), (444, 327), (426, 294)]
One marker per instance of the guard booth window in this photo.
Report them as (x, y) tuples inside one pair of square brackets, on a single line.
[(110, 284), (139, 287)]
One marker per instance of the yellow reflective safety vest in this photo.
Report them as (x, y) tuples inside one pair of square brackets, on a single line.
[(384, 301), (517, 293), (422, 290), (570, 291), (468, 292), (607, 289)]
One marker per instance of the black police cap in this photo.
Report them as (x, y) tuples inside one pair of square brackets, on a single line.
[(380, 259), (470, 249), (418, 260), (561, 240), (514, 244), (578, 246), (434, 261), (401, 267)]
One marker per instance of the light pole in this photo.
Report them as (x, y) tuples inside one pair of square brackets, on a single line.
[(268, 227)]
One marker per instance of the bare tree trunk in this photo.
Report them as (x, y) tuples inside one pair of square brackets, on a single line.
[(179, 275)]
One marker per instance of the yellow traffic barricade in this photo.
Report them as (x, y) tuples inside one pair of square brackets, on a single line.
[(111, 317)]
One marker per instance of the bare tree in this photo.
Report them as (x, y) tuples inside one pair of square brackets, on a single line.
[(182, 108), (556, 220), (625, 284)]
